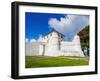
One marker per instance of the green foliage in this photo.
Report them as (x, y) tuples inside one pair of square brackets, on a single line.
[(84, 37), (84, 33), (43, 61)]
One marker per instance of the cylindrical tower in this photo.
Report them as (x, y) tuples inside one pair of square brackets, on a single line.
[(77, 42), (53, 44), (77, 46)]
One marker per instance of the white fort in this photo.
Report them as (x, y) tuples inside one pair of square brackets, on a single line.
[(53, 44)]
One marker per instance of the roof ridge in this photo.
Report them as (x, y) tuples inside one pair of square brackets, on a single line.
[(52, 31)]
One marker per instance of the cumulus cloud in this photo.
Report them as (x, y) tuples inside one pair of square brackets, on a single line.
[(69, 25), (40, 38), (33, 40), (26, 40)]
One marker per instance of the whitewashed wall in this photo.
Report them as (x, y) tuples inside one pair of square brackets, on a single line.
[(72, 48), (53, 46), (32, 48)]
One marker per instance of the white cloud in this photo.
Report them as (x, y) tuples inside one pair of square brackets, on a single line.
[(33, 40), (69, 25), (40, 38), (26, 40)]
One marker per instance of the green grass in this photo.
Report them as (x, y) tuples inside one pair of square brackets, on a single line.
[(44, 61)]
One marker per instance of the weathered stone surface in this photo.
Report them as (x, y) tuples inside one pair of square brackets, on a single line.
[(53, 44)]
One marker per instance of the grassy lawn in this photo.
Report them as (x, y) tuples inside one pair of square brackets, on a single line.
[(44, 61)]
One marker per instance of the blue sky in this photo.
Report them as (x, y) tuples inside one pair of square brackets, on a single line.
[(39, 24)]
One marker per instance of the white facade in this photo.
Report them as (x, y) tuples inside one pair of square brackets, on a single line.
[(53, 44)]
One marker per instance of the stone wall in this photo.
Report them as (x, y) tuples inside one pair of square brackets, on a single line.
[(32, 48), (54, 47), (72, 48)]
